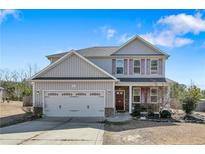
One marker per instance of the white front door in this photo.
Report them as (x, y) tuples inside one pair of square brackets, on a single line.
[(74, 103)]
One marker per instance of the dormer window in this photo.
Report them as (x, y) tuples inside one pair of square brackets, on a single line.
[(154, 66), (119, 66), (137, 66)]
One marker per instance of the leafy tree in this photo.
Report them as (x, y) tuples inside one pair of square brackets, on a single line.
[(15, 83), (192, 96), (178, 91), (203, 93)]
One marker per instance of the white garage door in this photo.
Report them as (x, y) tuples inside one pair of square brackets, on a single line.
[(74, 103)]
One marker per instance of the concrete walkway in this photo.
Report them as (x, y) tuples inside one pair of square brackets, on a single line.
[(120, 118), (53, 131)]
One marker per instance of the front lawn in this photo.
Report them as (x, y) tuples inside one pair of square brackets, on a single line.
[(148, 132)]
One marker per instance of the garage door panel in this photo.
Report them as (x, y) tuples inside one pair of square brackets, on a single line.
[(90, 104)]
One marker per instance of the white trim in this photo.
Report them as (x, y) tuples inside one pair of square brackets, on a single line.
[(154, 95), (114, 96), (123, 99), (74, 90), (43, 95), (122, 65), (64, 57), (128, 66), (139, 95), (145, 64), (72, 80), (127, 56), (134, 66), (43, 99), (130, 99), (157, 67), (146, 84), (34, 93), (145, 42)]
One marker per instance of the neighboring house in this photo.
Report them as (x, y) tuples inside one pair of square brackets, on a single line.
[(200, 107), (99, 81), (1, 94)]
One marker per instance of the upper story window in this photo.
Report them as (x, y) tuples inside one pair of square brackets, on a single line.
[(154, 66), (154, 95), (137, 66), (136, 95), (120, 66)]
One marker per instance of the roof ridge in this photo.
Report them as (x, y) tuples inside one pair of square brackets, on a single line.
[(98, 47)]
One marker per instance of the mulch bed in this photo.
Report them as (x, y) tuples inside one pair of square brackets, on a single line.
[(14, 119), (194, 118)]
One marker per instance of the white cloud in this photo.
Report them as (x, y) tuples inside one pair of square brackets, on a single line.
[(108, 32), (183, 23), (170, 30), (125, 37), (5, 13), (167, 39)]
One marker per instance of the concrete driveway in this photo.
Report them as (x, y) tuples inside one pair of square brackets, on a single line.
[(54, 131)]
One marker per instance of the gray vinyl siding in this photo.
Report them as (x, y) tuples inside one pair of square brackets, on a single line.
[(135, 47), (104, 63), (94, 85), (74, 66)]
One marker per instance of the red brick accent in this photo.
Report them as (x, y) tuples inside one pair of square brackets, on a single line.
[(113, 66), (131, 67), (125, 66), (148, 67), (143, 66), (160, 66)]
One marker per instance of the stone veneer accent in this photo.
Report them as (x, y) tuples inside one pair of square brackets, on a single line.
[(109, 112), (126, 88)]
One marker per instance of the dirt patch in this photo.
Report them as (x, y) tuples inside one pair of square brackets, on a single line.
[(12, 112), (11, 108), (200, 113), (147, 132)]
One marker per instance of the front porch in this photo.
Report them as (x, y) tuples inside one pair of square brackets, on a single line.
[(149, 98)]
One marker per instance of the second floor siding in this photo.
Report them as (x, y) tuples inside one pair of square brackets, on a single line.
[(132, 66)]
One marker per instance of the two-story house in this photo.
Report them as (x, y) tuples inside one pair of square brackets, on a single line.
[(100, 81)]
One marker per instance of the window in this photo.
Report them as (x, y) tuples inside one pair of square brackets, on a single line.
[(66, 94), (137, 66), (120, 66), (154, 66), (52, 94), (80, 94), (154, 95), (136, 95), (94, 94)]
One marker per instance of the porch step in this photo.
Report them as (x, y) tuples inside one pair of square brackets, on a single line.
[(120, 118)]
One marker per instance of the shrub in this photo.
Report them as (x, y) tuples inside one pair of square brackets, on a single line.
[(192, 96), (151, 115), (136, 111), (38, 112), (188, 105), (165, 114)]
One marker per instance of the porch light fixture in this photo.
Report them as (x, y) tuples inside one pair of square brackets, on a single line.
[(37, 92)]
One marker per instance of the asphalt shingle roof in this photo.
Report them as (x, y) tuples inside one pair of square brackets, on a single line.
[(91, 52), (142, 79)]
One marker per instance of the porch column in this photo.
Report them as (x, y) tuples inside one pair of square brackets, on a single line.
[(130, 99)]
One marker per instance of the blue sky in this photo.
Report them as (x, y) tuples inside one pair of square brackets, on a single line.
[(27, 36)]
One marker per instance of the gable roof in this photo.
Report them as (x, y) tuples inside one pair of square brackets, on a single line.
[(91, 51), (145, 42), (66, 56), (101, 51)]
